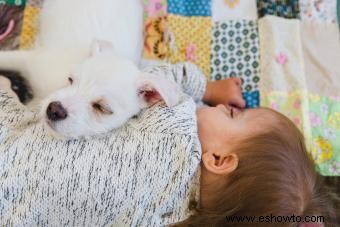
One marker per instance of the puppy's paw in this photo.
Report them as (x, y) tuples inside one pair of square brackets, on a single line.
[(15, 85)]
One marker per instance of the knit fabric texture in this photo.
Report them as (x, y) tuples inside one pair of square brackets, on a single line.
[(145, 173)]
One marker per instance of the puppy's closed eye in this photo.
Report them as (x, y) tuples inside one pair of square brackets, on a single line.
[(101, 108), (70, 80)]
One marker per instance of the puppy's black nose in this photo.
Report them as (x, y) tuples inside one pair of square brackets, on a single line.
[(56, 112)]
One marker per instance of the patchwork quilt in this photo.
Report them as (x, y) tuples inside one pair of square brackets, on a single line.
[(18, 23), (287, 53)]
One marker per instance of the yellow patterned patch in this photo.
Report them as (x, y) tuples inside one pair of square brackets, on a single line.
[(29, 27), (190, 40), (334, 120), (322, 150)]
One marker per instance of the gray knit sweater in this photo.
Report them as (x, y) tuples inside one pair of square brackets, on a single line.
[(143, 174)]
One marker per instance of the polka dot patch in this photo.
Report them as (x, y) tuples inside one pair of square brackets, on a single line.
[(190, 7), (252, 99)]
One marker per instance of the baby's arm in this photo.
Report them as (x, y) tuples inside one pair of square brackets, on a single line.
[(190, 79), (12, 112), (193, 82), (5, 87)]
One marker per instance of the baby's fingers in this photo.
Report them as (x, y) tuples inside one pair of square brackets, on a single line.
[(237, 81), (237, 91), (237, 100)]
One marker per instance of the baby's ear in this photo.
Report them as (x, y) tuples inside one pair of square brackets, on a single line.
[(220, 163), (101, 46), (155, 88)]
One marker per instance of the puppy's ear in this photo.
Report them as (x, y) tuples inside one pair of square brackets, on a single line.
[(155, 88), (101, 46)]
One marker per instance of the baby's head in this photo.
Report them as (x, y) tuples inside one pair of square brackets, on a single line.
[(254, 163)]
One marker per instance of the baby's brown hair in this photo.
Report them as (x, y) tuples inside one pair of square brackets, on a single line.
[(275, 177)]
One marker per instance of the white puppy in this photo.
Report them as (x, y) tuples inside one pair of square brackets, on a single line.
[(70, 26), (102, 93), (104, 90)]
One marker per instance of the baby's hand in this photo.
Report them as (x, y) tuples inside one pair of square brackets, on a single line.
[(227, 92)]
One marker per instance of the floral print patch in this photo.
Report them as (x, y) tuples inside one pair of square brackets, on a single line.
[(318, 10), (155, 8), (156, 46), (324, 115), (280, 8), (319, 118)]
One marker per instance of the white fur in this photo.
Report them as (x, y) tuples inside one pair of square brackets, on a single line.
[(67, 29), (76, 23), (99, 76), (46, 70), (70, 26), (105, 78)]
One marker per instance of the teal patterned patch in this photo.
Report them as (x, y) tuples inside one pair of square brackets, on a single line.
[(338, 9), (280, 8), (235, 52), (190, 8), (13, 2), (252, 99)]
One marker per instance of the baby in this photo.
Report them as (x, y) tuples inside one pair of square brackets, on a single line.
[(162, 167)]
